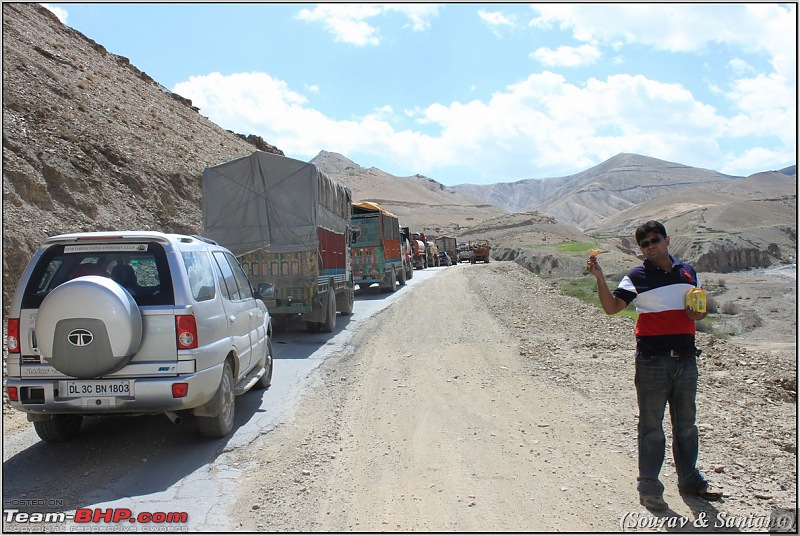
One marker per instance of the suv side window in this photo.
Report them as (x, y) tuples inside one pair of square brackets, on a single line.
[(200, 275), (236, 285), (245, 290)]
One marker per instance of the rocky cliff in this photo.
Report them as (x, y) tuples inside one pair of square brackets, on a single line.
[(90, 142)]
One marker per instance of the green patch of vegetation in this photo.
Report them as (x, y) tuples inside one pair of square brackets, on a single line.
[(712, 324), (575, 247), (585, 289)]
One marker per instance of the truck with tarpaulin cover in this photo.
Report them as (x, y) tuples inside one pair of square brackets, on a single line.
[(288, 224), (375, 253)]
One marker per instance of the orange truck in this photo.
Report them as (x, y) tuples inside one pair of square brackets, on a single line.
[(480, 251), (376, 255)]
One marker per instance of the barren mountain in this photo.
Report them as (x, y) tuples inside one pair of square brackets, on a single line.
[(418, 201), (720, 223)]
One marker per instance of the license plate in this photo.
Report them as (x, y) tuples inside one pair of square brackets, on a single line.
[(118, 388)]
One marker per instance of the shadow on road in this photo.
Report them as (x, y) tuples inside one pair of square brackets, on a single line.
[(114, 458)]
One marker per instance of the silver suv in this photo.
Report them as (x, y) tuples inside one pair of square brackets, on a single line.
[(134, 323)]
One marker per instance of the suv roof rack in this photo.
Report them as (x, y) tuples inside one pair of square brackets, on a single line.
[(204, 239)]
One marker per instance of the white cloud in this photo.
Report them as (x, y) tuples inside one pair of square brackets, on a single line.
[(543, 124), (566, 56), (757, 28), (349, 22), (496, 20), (58, 12), (345, 21), (420, 15)]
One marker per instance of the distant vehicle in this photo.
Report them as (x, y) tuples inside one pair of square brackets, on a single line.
[(464, 253), (132, 323), (480, 251), (407, 252), (288, 223), (376, 254), (449, 245), (432, 253), (419, 253), (444, 259)]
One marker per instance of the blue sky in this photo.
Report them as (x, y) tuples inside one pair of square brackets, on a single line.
[(478, 93)]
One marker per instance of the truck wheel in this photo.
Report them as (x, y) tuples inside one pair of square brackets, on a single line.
[(61, 427), (222, 424), (401, 277), (393, 281), (266, 380), (330, 317), (348, 299)]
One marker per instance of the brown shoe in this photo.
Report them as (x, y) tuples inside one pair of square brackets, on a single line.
[(653, 502)]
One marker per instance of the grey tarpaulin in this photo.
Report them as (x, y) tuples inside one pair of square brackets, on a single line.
[(270, 201)]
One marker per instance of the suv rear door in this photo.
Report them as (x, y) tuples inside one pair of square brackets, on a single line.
[(66, 259)]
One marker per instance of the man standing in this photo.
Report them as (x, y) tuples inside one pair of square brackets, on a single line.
[(666, 367)]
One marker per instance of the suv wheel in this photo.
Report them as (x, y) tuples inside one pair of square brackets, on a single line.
[(266, 379), (222, 424), (58, 428)]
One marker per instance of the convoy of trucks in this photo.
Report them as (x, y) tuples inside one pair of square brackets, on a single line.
[(305, 245), (376, 253), (288, 224)]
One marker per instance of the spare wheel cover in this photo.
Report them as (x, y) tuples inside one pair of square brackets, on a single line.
[(88, 327)]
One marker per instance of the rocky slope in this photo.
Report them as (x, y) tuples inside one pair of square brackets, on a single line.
[(91, 143)]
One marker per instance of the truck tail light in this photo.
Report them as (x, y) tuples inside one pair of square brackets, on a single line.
[(13, 336), (186, 331), (13, 394)]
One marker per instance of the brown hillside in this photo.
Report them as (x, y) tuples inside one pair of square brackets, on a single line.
[(92, 143)]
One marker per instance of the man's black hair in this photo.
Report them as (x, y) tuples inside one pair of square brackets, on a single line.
[(650, 227)]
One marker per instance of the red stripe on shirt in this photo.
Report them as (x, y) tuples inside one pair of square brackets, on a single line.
[(664, 323)]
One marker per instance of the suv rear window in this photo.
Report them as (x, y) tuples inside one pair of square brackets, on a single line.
[(141, 268)]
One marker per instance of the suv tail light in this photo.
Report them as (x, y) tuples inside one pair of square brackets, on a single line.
[(13, 394), (186, 331), (13, 336)]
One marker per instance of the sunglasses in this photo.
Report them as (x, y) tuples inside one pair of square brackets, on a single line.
[(646, 243)]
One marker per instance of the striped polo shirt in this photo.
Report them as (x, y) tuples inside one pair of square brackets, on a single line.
[(659, 298)]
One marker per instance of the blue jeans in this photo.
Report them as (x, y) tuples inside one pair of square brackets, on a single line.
[(660, 380)]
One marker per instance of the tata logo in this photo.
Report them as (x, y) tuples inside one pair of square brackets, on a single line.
[(80, 337)]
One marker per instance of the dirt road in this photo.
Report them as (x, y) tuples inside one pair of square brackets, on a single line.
[(487, 401)]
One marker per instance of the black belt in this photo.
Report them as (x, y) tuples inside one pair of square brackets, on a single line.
[(672, 353)]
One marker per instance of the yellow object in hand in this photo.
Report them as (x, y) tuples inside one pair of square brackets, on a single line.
[(696, 300), (594, 252)]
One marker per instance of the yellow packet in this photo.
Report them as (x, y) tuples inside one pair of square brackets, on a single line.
[(696, 300), (594, 252)]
